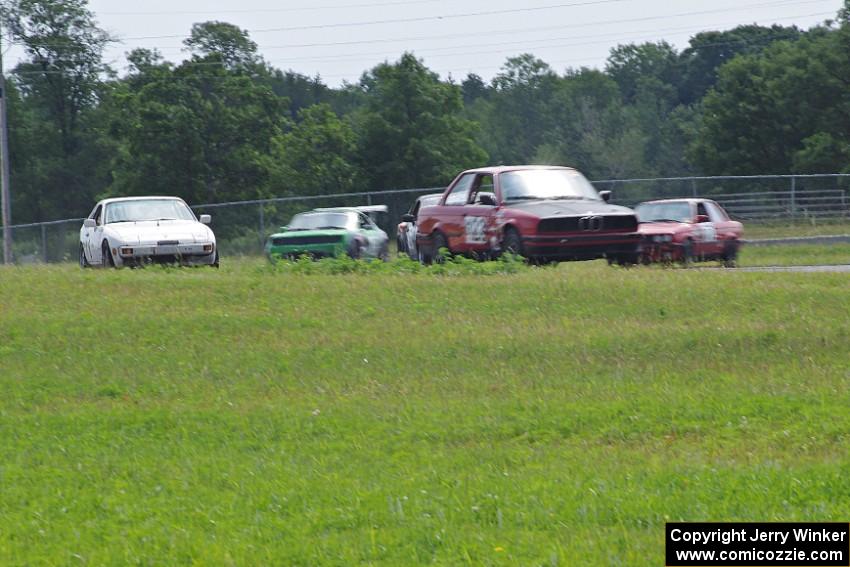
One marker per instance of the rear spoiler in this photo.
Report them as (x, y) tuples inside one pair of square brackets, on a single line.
[(373, 209), (364, 209)]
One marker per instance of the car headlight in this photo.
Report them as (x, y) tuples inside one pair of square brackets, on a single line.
[(662, 238)]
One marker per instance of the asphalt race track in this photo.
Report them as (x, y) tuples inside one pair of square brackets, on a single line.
[(833, 268)]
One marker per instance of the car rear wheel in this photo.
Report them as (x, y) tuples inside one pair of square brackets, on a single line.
[(730, 255), (108, 260), (624, 260)]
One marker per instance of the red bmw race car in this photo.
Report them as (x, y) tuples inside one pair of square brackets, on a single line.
[(541, 212), (686, 230)]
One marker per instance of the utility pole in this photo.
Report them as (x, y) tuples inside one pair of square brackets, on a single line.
[(5, 198)]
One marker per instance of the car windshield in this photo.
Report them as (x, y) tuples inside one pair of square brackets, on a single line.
[(660, 212), (546, 184), (148, 210), (430, 200), (319, 221)]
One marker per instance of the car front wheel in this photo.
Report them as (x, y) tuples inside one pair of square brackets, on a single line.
[(84, 262), (730, 255), (512, 244), (687, 257), (108, 260), (354, 250)]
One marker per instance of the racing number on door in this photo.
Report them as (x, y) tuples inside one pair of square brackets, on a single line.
[(474, 229), (707, 232)]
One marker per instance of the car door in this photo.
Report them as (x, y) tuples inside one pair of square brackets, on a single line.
[(477, 216), (452, 211), (93, 236), (726, 229), (705, 233), (374, 236)]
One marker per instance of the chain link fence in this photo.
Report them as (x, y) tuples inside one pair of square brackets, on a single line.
[(242, 227)]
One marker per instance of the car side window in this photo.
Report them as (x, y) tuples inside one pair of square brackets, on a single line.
[(701, 210), (365, 223), (715, 213), (484, 184), (460, 192)]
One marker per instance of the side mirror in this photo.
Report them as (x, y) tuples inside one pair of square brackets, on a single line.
[(408, 218), (606, 196), (89, 223), (488, 200), (703, 218), (206, 219)]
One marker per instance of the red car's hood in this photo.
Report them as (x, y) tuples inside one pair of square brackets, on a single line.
[(652, 228)]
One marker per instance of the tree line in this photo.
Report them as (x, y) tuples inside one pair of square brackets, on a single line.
[(226, 125)]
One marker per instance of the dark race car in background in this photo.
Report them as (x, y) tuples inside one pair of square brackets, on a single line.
[(544, 213), (406, 232), (686, 230)]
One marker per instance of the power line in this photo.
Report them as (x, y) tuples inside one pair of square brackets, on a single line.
[(410, 20), (771, 4), (273, 10), (427, 53), (778, 3)]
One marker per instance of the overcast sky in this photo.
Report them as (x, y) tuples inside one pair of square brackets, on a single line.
[(339, 39)]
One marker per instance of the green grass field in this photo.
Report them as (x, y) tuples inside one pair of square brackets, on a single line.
[(554, 416), (800, 228)]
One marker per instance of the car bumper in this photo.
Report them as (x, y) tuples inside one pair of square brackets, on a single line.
[(571, 247), (203, 253), (313, 250), (652, 252)]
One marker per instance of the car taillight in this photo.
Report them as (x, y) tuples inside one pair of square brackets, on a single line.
[(126, 251), (208, 247)]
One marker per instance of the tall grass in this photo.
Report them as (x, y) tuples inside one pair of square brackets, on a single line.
[(554, 416)]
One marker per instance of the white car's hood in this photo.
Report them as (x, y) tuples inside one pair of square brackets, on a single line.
[(151, 232)]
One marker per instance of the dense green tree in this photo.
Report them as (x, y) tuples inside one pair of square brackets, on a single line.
[(60, 84), (473, 88), (316, 157), (629, 64), (202, 133), (590, 129), (787, 107), (709, 51), (221, 41), (411, 131), (519, 113)]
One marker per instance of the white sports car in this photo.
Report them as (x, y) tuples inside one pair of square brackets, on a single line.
[(133, 231)]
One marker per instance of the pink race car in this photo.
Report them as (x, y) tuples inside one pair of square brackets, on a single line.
[(687, 230)]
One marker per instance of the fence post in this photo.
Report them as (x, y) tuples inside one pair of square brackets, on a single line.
[(793, 198), (369, 199), (694, 187), (44, 243), (262, 226)]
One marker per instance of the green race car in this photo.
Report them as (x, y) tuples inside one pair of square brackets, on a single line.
[(324, 233)]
